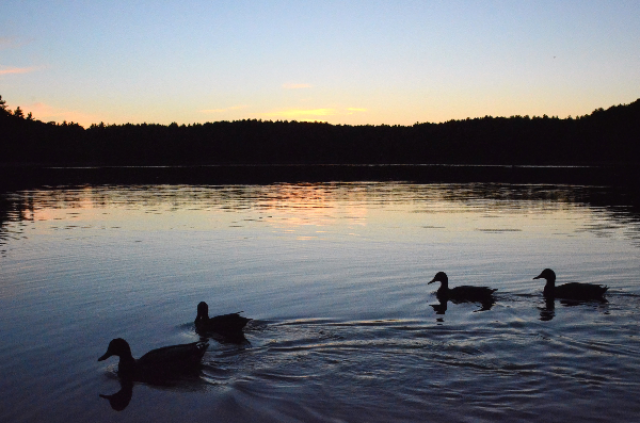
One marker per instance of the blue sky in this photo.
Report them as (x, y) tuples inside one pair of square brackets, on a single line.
[(351, 62)]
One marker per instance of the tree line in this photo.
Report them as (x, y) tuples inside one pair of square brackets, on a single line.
[(610, 136)]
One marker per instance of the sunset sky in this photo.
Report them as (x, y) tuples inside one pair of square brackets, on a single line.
[(347, 62)]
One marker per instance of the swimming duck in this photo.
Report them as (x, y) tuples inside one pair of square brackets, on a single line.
[(572, 290), (229, 325), (480, 294), (156, 362)]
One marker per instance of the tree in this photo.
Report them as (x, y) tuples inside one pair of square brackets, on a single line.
[(3, 106), (18, 112)]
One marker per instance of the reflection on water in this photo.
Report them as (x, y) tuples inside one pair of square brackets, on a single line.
[(122, 398), (441, 307), (335, 277), (320, 203), (548, 310)]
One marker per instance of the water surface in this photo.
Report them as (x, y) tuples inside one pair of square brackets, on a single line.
[(335, 277)]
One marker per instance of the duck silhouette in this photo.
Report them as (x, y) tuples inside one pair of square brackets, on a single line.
[(465, 293), (572, 290), (228, 325), (156, 363)]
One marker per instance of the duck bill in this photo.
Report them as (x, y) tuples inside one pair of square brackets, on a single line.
[(105, 356), (538, 277), (432, 281)]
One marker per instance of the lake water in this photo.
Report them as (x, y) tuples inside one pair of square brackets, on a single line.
[(335, 277)]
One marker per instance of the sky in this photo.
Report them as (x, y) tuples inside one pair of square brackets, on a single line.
[(344, 62)]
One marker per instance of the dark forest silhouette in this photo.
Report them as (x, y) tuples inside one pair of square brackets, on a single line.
[(609, 136)]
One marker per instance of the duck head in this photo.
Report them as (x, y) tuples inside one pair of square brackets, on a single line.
[(549, 275), (118, 347), (442, 278)]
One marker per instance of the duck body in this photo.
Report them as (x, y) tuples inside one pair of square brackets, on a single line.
[(229, 325), (464, 293), (157, 362), (572, 290)]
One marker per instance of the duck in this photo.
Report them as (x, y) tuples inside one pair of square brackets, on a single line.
[(156, 362), (465, 293), (228, 325), (572, 290)]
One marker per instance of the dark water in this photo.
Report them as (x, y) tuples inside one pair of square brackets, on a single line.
[(335, 277)]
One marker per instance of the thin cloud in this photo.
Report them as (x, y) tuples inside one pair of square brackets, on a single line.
[(7, 70), (353, 110), (228, 109), (12, 42), (7, 42), (292, 86)]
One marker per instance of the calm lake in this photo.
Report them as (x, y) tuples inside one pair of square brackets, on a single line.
[(335, 276)]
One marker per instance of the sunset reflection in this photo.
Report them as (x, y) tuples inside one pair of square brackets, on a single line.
[(314, 210), (312, 205)]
